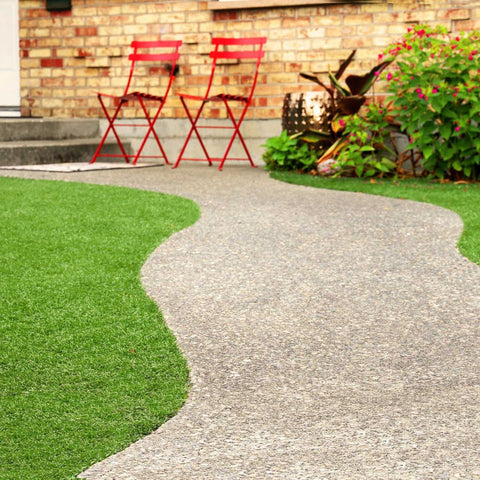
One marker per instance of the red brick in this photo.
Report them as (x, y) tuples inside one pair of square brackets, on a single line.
[(82, 53), (86, 31), (223, 16), (28, 43), (65, 13), (157, 71), (52, 62)]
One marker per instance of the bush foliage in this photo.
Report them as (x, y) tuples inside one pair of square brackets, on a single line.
[(433, 84)]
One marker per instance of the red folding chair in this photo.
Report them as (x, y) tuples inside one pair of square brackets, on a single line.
[(245, 48), (147, 52)]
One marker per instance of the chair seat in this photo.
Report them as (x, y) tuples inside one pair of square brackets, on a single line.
[(226, 96), (135, 95), (220, 96)]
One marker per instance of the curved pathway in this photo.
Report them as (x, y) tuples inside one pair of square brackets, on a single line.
[(330, 335)]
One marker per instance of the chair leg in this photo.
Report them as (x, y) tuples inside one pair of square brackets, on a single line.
[(111, 127), (151, 129), (236, 133), (160, 146), (100, 145), (193, 128)]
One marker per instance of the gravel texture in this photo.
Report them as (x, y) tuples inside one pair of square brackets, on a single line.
[(330, 335)]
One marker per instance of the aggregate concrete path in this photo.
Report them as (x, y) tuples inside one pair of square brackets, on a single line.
[(329, 335)]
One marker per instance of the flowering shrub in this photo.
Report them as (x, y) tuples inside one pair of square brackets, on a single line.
[(363, 149), (435, 87)]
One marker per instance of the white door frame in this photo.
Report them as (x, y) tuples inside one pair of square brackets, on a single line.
[(9, 59)]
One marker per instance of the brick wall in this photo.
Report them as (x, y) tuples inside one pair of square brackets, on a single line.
[(66, 57)]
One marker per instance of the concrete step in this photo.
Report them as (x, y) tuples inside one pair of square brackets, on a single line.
[(40, 152), (17, 129), (32, 141)]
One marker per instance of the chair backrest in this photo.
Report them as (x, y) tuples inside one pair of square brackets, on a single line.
[(238, 49), (155, 51)]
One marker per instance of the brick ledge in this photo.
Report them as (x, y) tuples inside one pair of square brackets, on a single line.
[(236, 4)]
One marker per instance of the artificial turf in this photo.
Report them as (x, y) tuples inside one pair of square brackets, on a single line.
[(87, 365)]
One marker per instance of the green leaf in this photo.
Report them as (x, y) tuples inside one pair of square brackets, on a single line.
[(388, 163), (445, 131), (311, 136), (438, 102), (447, 151), (428, 151), (342, 90), (366, 148), (429, 127)]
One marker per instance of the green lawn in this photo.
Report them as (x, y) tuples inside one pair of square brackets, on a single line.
[(462, 199), (87, 365)]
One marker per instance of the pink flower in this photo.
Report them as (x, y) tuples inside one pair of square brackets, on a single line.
[(377, 73), (435, 90), (457, 129), (342, 122), (389, 76), (380, 56)]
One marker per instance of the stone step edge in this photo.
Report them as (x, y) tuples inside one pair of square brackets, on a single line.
[(73, 142), (47, 129)]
